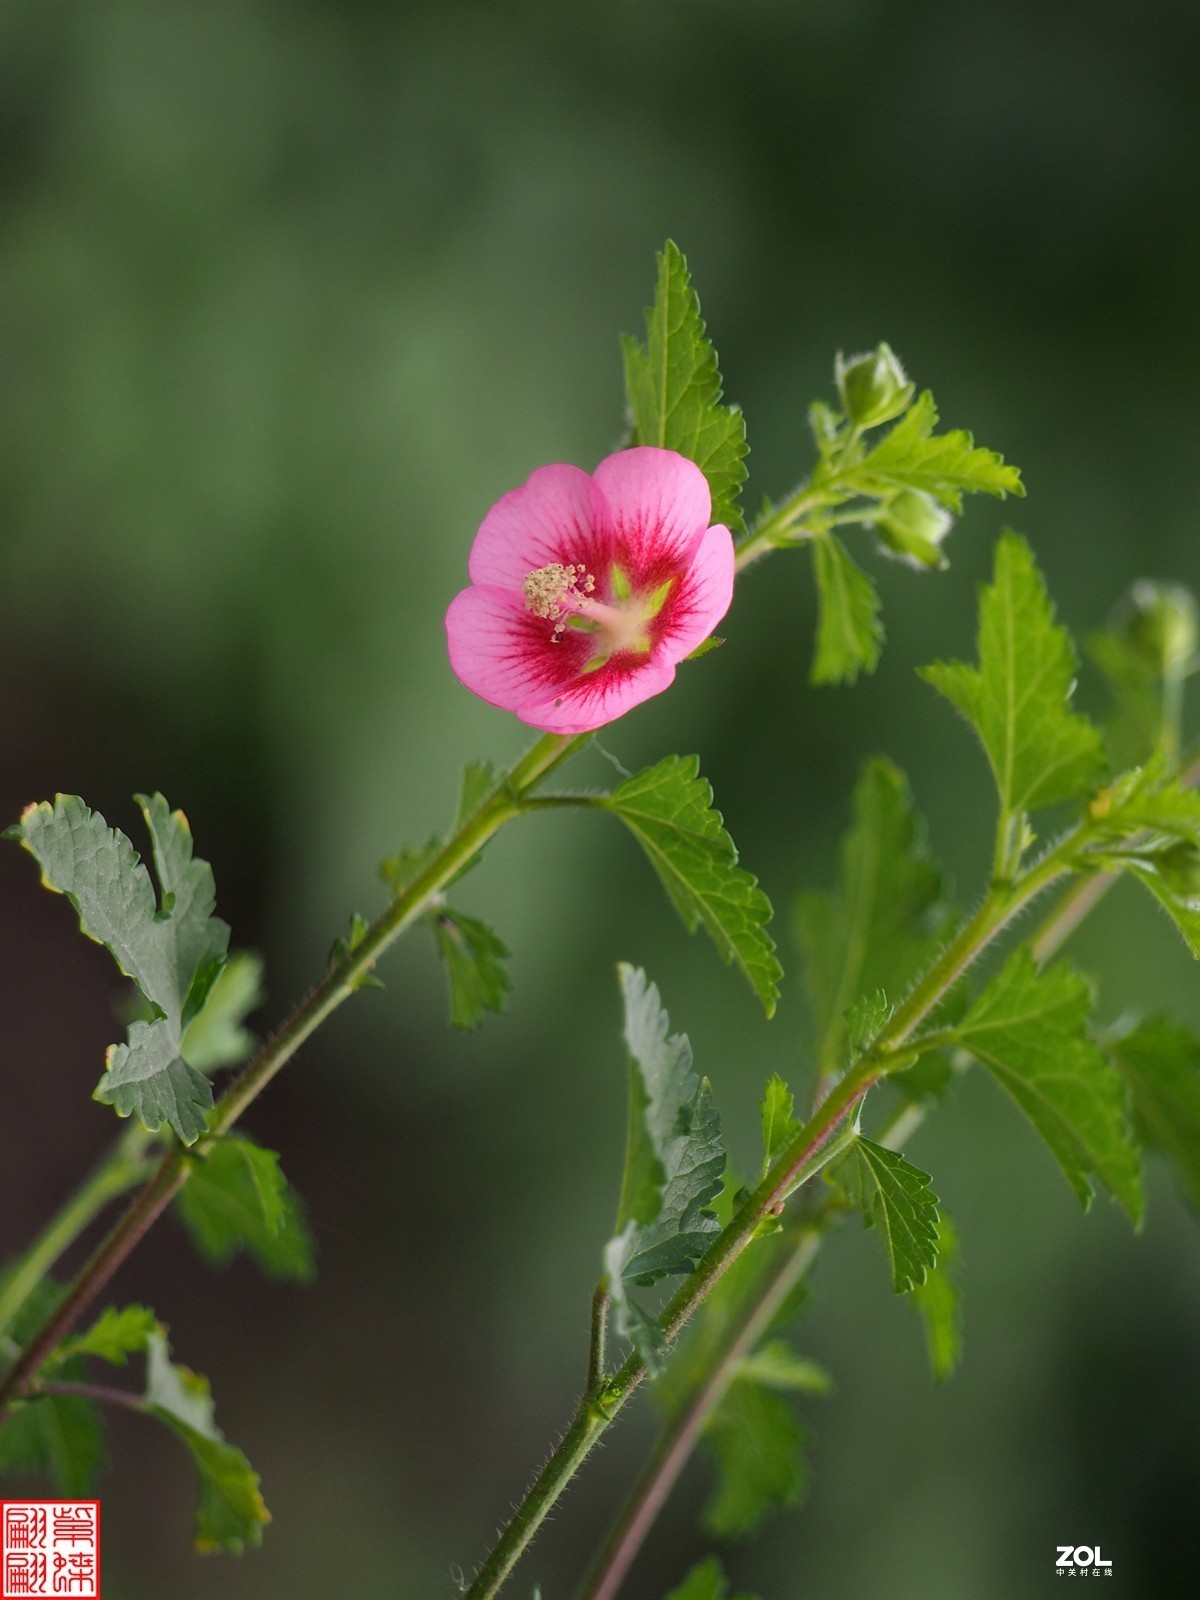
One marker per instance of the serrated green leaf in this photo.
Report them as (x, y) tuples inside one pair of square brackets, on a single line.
[(173, 951), (1160, 1061), (116, 1335), (755, 1439), (238, 1200), (474, 958), (231, 1513), (779, 1125), (216, 1037), (895, 1198), (943, 465), (849, 630), (59, 1435), (1029, 1028), (883, 923), (673, 1165), (706, 1581), (938, 1301), (669, 809), (673, 387), (865, 1018), (1017, 700)]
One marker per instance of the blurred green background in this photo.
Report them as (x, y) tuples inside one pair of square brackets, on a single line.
[(290, 293)]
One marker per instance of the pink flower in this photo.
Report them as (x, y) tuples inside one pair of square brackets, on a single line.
[(587, 591)]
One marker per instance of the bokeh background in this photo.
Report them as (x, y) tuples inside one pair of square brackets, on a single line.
[(289, 294)]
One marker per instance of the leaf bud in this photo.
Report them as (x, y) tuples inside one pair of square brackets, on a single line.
[(873, 387), (1162, 626), (911, 526)]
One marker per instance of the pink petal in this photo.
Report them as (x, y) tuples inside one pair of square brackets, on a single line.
[(502, 653), (557, 515), (658, 504), (702, 597), (597, 698)]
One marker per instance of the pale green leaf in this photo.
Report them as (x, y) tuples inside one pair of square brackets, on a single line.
[(777, 1366), (1029, 1028), (170, 945), (216, 1037), (849, 631), (669, 809), (943, 465), (755, 1439), (231, 1514), (938, 1301), (674, 389), (475, 966), (1017, 700), (894, 1198), (116, 1335), (779, 1125), (1160, 1061), (706, 1581), (237, 1201), (885, 920)]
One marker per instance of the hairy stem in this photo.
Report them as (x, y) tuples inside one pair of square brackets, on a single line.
[(502, 804), (121, 1169)]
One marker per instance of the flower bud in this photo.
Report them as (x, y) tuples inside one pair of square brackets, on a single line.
[(1162, 626), (911, 525), (873, 387)]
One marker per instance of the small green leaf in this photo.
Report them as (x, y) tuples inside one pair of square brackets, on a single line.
[(1017, 700), (886, 919), (237, 1200), (865, 1018), (215, 1037), (779, 1125), (114, 1336), (937, 1299), (895, 1198), (1160, 1061), (1029, 1028), (674, 389), (669, 809), (944, 465), (777, 1366), (345, 945), (756, 1440), (174, 952), (849, 632), (59, 1435), (231, 1514), (478, 780), (705, 1582), (474, 957), (402, 870)]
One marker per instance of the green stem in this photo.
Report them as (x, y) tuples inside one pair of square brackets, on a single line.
[(598, 1410), (504, 802), (120, 1170)]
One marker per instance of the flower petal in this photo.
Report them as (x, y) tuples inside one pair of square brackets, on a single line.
[(502, 653), (702, 597), (556, 515), (658, 506), (597, 698)]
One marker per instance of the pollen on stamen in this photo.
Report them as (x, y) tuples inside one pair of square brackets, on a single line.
[(548, 588)]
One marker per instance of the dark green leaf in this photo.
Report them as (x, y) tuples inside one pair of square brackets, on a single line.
[(1029, 1028), (344, 947), (944, 465), (674, 389), (231, 1514), (237, 1200), (849, 632), (1017, 700), (937, 1299), (474, 959), (886, 918), (1160, 1061), (895, 1198), (669, 809)]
